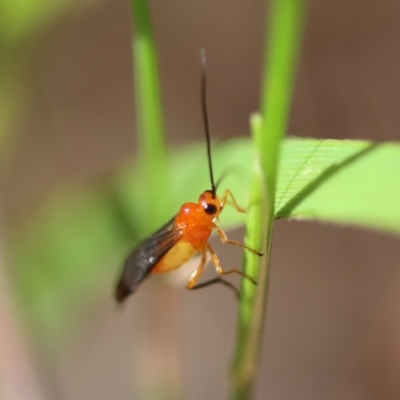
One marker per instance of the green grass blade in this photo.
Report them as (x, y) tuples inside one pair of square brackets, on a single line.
[(281, 60), (152, 154), (252, 303), (282, 47)]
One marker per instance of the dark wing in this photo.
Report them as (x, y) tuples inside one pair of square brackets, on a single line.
[(144, 257)]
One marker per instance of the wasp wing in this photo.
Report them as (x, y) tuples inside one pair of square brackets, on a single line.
[(144, 257)]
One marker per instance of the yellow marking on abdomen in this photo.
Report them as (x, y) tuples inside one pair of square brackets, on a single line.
[(179, 254)]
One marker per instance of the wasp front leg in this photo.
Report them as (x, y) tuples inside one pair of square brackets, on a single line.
[(231, 201)]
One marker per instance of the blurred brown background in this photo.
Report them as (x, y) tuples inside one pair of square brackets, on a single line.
[(333, 327)]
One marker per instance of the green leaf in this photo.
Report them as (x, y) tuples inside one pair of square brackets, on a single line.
[(341, 181), (68, 248)]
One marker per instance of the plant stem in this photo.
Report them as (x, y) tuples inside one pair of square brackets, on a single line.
[(150, 127), (153, 192), (281, 52), (252, 305)]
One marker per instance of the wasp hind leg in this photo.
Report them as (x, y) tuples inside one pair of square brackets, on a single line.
[(191, 284), (219, 280)]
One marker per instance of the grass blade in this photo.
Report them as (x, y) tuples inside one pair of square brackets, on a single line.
[(152, 151), (281, 55)]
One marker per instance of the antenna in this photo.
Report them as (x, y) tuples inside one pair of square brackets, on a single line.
[(205, 115)]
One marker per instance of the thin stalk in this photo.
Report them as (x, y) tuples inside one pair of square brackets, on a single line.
[(150, 126), (252, 305), (268, 129), (156, 356)]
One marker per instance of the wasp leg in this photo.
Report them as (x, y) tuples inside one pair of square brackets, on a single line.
[(194, 277), (225, 240), (232, 201), (220, 271), (218, 280)]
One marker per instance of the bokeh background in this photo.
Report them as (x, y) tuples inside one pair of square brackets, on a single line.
[(67, 120)]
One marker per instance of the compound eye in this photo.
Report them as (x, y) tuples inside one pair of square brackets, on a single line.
[(210, 209)]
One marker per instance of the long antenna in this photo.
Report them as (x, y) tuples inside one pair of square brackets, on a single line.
[(205, 114)]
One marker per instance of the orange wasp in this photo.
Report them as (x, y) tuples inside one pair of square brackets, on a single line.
[(185, 235)]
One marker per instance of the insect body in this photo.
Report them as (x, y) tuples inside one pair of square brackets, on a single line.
[(183, 236)]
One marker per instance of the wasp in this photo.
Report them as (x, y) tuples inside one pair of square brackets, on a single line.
[(184, 235)]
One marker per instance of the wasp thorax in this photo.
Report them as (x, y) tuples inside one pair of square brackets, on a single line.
[(210, 203)]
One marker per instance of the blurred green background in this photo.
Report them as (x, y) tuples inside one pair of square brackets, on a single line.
[(67, 128)]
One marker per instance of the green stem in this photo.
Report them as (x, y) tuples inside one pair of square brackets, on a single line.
[(279, 73), (152, 191), (150, 127), (268, 130), (252, 305)]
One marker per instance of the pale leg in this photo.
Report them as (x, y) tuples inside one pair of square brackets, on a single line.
[(219, 269), (232, 202), (194, 277), (225, 240)]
